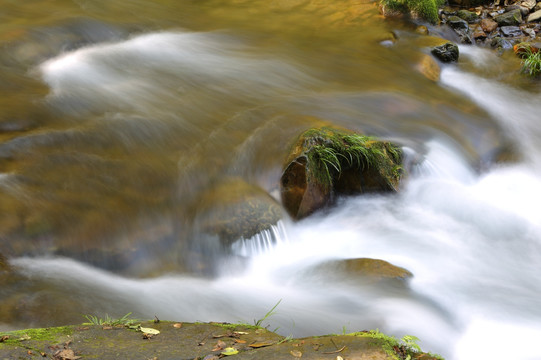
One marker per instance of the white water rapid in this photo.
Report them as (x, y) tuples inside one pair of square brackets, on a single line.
[(472, 241)]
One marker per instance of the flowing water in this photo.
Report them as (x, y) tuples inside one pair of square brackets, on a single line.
[(119, 118)]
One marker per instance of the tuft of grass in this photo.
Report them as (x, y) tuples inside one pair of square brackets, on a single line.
[(531, 59), (426, 9), (109, 321), (271, 312), (332, 150)]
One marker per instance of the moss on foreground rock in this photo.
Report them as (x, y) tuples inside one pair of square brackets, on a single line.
[(199, 341)]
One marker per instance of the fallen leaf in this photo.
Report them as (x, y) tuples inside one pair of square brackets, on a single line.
[(24, 337), (339, 358), (261, 344), (220, 345), (296, 353), (239, 341), (42, 354), (107, 328), (240, 333), (4, 338), (147, 336), (29, 352), (149, 331), (66, 354), (177, 325), (229, 351)]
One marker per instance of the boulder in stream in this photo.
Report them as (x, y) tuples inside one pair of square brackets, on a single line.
[(367, 270), (235, 209), (447, 52), (326, 162)]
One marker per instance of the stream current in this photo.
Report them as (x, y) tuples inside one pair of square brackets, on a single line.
[(118, 117)]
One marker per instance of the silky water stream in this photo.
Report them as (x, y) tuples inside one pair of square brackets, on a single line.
[(118, 119)]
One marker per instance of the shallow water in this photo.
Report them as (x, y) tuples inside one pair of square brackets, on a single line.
[(120, 118)]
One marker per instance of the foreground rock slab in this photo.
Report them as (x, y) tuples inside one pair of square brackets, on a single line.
[(191, 341)]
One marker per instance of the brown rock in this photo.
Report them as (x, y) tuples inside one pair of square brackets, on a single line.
[(375, 268), (488, 25), (325, 162), (429, 68), (478, 33)]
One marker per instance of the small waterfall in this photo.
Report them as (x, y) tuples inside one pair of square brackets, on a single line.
[(262, 242)]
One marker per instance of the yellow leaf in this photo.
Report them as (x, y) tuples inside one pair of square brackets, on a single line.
[(261, 344), (229, 351), (296, 353), (150, 331)]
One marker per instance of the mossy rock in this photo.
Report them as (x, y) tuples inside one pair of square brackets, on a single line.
[(326, 162), (235, 209), (198, 341)]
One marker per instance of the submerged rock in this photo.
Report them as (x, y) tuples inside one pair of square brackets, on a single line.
[(367, 270), (326, 162), (234, 209), (447, 52), (429, 68)]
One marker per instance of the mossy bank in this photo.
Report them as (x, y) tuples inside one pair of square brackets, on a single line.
[(199, 341)]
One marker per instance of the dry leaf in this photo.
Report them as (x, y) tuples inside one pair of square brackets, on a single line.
[(66, 354), (24, 337), (296, 353), (220, 345), (339, 358), (239, 341), (261, 344), (4, 338), (177, 325), (147, 336), (107, 328), (240, 333)]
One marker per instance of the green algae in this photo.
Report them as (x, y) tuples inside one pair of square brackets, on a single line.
[(28, 337)]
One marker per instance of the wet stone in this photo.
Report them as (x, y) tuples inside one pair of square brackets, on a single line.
[(529, 4), (488, 25), (479, 34), (447, 52), (511, 31), (468, 16), (501, 43), (457, 23), (534, 16), (510, 18)]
